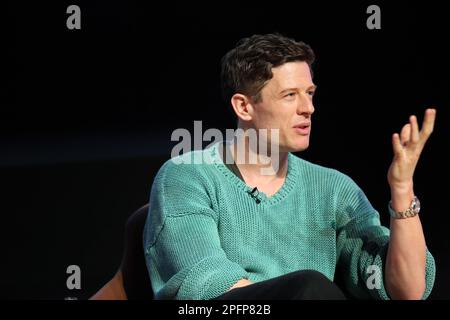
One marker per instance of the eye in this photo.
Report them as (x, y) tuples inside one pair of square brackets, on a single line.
[(311, 93), (290, 95)]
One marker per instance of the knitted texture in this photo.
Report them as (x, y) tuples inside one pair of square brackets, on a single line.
[(204, 231)]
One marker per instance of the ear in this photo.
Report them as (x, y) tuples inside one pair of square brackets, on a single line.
[(242, 106)]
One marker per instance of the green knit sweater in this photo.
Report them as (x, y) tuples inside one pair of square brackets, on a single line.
[(205, 231)]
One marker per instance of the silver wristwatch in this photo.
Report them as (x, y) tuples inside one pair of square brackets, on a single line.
[(412, 211)]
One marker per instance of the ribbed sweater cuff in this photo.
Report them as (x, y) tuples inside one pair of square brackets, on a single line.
[(430, 271), (210, 278)]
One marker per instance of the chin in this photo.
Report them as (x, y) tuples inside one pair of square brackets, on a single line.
[(300, 144), (301, 148), (295, 147)]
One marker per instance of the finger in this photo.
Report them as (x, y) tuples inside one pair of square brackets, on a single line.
[(428, 124), (396, 144), (414, 129), (405, 134)]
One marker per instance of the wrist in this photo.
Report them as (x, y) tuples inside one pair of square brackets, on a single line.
[(401, 197), (402, 187)]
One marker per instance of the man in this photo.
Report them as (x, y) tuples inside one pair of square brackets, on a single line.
[(227, 231)]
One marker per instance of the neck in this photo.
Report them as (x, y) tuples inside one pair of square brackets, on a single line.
[(257, 164)]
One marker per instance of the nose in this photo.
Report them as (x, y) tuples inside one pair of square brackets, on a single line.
[(305, 105)]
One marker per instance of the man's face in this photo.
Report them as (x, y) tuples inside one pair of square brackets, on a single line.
[(287, 105)]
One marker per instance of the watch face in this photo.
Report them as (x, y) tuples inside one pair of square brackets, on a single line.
[(416, 205)]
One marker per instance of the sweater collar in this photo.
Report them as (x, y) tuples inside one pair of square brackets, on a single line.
[(232, 174)]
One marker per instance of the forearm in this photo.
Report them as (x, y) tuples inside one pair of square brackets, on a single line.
[(406, 257)]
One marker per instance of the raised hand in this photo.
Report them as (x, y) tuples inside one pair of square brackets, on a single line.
[(407, 149)]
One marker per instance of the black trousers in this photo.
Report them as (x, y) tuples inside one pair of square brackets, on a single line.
[(298, 285)]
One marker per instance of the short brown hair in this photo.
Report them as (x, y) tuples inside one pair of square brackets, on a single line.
[(247, 67)]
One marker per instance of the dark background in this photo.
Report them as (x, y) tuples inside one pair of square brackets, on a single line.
[(86, 116)]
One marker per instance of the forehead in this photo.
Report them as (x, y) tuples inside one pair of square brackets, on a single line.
[(291, 75)]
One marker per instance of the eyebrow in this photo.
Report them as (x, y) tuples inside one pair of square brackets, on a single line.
[(313, 87)]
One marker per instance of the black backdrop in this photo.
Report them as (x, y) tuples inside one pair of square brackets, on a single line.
[(86, 116)]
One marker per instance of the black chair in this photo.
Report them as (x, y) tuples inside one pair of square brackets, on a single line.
[(131, 282)]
